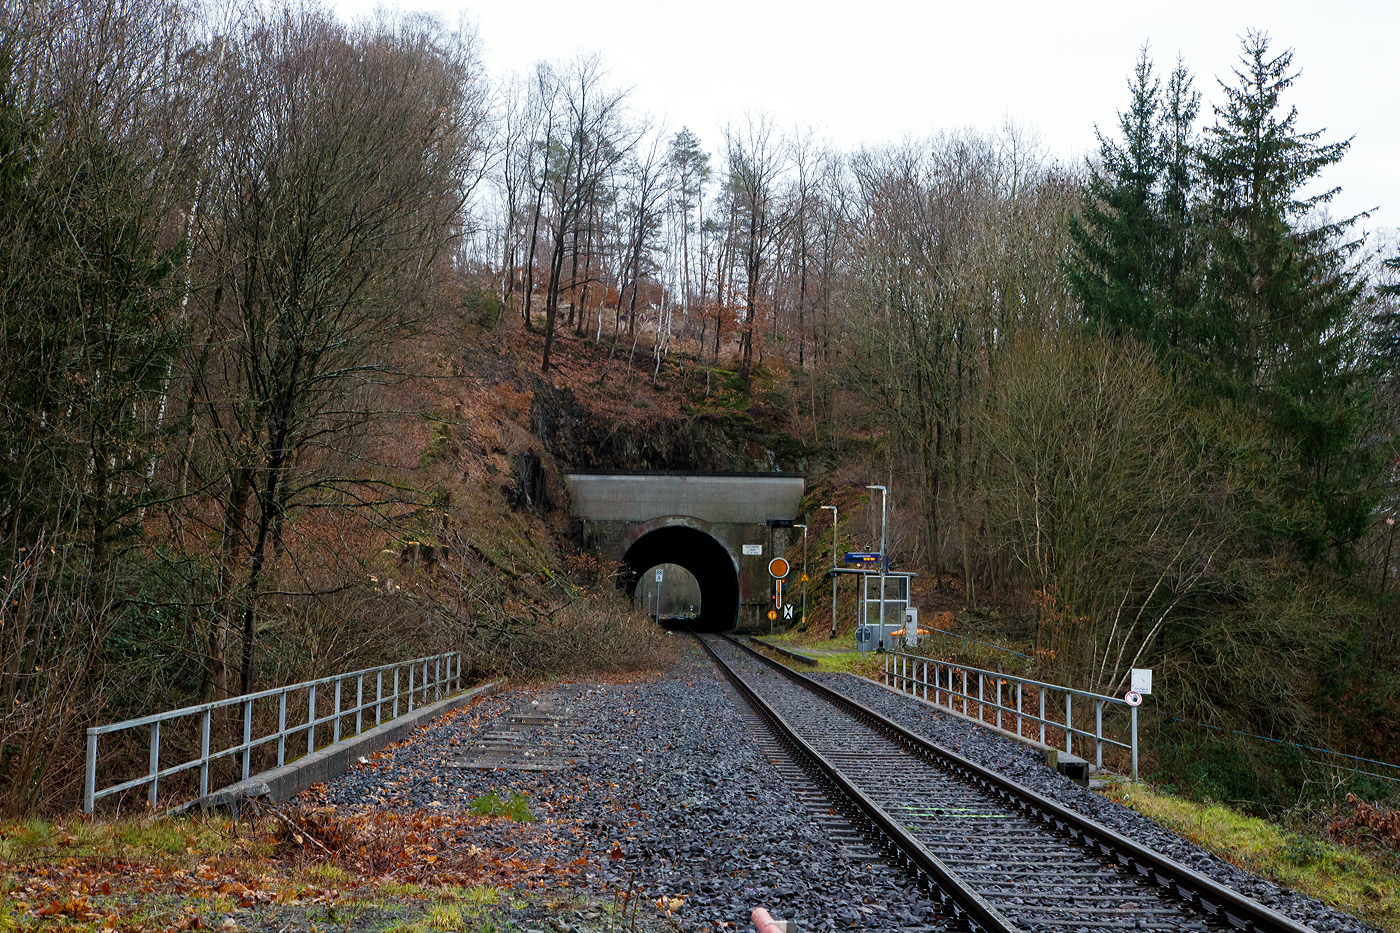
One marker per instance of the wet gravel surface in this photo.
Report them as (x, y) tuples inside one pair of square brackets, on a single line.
[(666, 797), (1024, 765)]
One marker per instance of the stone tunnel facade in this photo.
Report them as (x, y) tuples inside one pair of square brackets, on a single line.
[(723, 528)]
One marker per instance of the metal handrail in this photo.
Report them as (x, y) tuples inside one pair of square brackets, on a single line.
[(437, 673), (902, 673)]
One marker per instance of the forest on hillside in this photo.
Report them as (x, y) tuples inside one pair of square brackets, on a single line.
[(1135, 412)]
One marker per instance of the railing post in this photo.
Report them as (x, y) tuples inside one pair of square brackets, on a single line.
[(205, 727), (437, 679), (1019, 729), (247, 737), (1098, 734), (981, 703), (1134, 742), (925, 679), (282, 728), (396, 694), (410, 688), (1069, 729), (155, 763), (999, 704), (359, 703), (335, 730), (964, 673), (311, 720), (1041, 692), (378, 695), (90, 779)]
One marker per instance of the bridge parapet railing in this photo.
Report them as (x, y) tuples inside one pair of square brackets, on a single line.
[(414, 683), (953, 687)]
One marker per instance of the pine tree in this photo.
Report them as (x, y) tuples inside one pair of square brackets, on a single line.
[(1180, 247), (1131, 268), (1278, 331)]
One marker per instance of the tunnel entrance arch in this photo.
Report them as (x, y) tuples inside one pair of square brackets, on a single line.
[(688, 542), (748, 515)]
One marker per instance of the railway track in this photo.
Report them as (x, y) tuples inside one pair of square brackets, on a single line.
[(998, 856)]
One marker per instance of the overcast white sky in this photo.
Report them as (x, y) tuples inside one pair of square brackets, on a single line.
[(879, 70)]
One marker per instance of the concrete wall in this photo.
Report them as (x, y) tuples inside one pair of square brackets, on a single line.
[(726, 498)]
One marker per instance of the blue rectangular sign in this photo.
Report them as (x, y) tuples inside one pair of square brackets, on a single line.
[(863, 557)]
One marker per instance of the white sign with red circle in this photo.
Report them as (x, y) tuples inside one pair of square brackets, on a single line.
[(1133, 698)]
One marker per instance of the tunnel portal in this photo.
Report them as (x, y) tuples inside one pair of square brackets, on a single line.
[(723, 528), (704, 557)]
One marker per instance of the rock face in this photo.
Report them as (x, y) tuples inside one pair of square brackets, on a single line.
[(579, 438), (528, 489)]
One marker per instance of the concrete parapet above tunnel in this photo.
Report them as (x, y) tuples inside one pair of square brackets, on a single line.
[(740, 498)]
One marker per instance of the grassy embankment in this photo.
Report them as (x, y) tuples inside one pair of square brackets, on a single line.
[(1360, 879)]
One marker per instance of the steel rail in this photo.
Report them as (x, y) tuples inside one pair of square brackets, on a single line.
[(1197, 890), (956, 897)]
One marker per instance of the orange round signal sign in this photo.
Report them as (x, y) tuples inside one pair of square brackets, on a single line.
[(778, 568), (772, 615)]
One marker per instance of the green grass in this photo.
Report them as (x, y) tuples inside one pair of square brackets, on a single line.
[(1364, 883), (459, 909), (33, 839), (871, 664), (517, 806)]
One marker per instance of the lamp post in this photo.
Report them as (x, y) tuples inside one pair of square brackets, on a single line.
[(804, 571), (882, 560), (835, 513)]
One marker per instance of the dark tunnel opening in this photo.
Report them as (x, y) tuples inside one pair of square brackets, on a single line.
[(705, 558)]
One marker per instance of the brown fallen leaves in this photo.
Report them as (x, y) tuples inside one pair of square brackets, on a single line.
[(1367, 824), (187, 882), (421, 847)]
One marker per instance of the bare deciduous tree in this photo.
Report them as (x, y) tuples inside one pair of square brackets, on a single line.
[(343, 183)]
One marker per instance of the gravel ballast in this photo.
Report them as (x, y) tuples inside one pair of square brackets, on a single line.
[(667, 798)]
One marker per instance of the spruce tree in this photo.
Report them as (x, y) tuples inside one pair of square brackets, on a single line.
[(1278, 329), (1179, 279), (1111, 271), (1131, 267)]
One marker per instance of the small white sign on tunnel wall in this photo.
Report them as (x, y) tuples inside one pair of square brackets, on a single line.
[(753, 550)]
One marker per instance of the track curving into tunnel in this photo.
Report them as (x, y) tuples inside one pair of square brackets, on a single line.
[(709, 561)]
